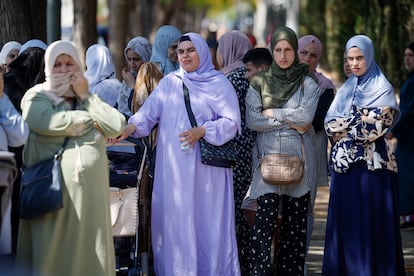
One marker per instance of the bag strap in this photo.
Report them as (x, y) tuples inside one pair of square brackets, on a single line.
[(188, 106), (302, 93), (303, 148), (59, 153)]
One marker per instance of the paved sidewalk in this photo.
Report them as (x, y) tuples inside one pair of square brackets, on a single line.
[(314, 261)]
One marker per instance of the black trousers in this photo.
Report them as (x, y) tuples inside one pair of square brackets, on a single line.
[(290, 256)]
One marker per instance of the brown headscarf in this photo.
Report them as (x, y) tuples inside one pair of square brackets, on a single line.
[(277, 85)]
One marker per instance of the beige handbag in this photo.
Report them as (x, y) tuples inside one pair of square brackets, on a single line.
[(124, 211), (124, 206), (283, 169)]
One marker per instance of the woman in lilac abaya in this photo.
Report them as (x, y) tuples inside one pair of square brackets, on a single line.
[(193, 229)]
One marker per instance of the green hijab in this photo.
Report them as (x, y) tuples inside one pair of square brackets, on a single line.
[(277, 85)]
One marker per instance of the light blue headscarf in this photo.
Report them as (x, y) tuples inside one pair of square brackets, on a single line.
[(141, 46), (164, 38), (369, 90), (33, 43)]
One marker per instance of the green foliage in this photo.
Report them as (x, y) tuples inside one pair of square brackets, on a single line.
[(217, 6), (387, 22)]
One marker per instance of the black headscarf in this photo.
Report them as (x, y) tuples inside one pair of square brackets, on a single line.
[(29, 67)]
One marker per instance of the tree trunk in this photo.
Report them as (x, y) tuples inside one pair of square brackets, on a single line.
[(134, 19), (118, 27), (15, 21), (84, 26), (39, 19)]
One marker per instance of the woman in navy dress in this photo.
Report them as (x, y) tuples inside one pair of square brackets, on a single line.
[(362, 234)]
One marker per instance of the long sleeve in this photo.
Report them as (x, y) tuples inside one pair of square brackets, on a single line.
[(362, 138), (122, 101), (110, 121), (47, 119), (300, 109), (362, 131), (14, 126), (255, 120)]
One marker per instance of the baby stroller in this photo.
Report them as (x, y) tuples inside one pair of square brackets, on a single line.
[(127, 161)]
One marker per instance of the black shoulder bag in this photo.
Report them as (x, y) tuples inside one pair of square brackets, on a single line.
[(41, 186), (225, 156)]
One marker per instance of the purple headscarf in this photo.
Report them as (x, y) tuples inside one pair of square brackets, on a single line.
[(323, 81), (232, 46), (369, 90), (208, 83)]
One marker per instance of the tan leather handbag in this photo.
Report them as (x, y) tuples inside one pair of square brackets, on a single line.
[(283, 169), (124, 211)]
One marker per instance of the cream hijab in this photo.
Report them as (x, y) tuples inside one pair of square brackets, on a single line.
[(57, 86)]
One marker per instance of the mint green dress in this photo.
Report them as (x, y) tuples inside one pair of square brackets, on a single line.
[(77, 239)]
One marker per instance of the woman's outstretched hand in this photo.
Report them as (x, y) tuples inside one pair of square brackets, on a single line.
[(128, 130)]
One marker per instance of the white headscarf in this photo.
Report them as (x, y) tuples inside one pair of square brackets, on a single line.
[(99, 65), (57, 86), (11, 45), (100, 73)]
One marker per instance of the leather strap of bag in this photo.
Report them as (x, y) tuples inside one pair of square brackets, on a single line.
[(303, 148), (302, 93), (59, 153), (188, 106)]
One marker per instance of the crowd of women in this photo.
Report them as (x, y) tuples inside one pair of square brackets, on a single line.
[(267, 100)]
